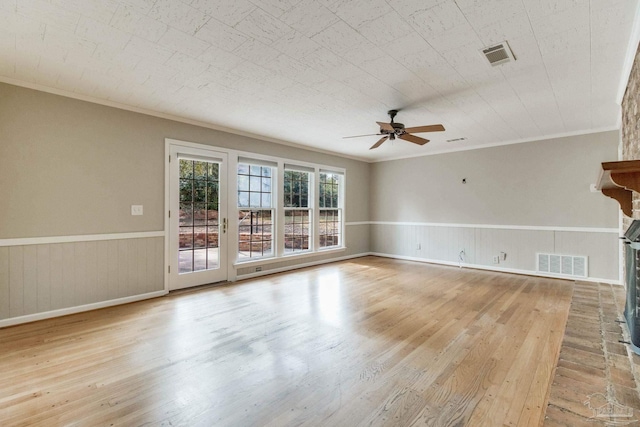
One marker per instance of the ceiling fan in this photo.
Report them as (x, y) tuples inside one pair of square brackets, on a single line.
[(393, 130)]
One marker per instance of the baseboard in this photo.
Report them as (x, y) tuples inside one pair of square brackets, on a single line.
[(303, 265), (497, 269), (78, 309)]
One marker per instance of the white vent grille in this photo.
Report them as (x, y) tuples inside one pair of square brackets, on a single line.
[(498, 54), (564, 265)]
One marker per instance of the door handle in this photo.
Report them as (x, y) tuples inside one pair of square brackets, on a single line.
[(224, 225)]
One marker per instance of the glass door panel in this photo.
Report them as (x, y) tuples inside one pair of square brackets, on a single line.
[(199, 247)]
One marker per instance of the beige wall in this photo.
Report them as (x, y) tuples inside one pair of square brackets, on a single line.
[(542, 183), (541, 188), (69, 167)]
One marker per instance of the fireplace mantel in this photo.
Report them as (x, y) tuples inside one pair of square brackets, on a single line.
[(619, 180)]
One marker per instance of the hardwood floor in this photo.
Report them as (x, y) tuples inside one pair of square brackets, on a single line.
[(370, 341)]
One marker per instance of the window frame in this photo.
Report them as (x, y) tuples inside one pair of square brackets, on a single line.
[(339, 209), (309, 208), (254, 208), (279, 166)]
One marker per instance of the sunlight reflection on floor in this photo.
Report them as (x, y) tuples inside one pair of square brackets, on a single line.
[(330, 298)]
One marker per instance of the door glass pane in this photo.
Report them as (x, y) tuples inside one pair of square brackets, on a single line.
[(185, 189), (212, 217), (185, 261), (200, 237), (198, 217), (186, 214), (213, 257), (186, 238), (200, 169), (199, 213), (200, 191), (199, 259)]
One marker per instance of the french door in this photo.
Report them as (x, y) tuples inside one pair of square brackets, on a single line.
[(197, 217)]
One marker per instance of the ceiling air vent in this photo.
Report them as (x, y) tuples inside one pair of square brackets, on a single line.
[(498, 54)]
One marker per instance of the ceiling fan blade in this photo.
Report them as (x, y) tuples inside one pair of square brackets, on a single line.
[(430, 128), (379, 143), (386, 126), (360, 136), (414, 139)]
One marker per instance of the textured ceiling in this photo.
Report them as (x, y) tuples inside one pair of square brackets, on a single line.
[(312, 71)]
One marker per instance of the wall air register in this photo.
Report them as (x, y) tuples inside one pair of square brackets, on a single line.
[(563, 265)]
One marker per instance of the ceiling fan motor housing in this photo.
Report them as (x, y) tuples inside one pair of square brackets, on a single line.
[(398, 129)]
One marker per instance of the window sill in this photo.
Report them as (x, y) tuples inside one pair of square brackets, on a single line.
[(271, 260)]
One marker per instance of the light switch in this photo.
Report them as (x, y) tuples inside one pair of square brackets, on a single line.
[(136, 209)]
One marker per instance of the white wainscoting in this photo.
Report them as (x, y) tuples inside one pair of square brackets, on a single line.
[(442, 243), (55, 276), (48, 277), (40, 280)]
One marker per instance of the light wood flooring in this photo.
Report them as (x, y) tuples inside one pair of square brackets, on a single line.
[(370, 341)]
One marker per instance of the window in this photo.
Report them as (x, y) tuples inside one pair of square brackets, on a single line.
[(297, 215), (330, 210), (287, 209), (255, 211)]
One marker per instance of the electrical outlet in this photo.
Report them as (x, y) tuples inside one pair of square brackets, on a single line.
[(496, 259), (136, 209), (258, 269)]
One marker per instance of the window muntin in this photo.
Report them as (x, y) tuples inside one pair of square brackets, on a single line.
[(330, 212), (297, 215), (255, 211)]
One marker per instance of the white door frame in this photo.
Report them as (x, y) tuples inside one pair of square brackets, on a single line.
[(194, 149)]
